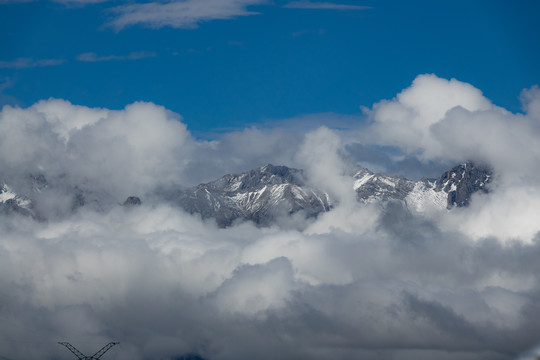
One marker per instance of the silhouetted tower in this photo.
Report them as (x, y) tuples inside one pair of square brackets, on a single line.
[(81, 356)]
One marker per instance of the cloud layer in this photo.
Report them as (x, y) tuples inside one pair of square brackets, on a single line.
[(361, 281)]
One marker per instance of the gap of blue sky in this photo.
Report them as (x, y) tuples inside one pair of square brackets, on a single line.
[(277, 60)]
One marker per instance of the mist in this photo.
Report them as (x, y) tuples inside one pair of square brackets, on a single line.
[(367, 281)]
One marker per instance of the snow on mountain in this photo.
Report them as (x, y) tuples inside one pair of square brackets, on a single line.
[(268, 193), (372, 187), (10, 202), (453, 188), (462, 181), (424, 197), (261, 195)]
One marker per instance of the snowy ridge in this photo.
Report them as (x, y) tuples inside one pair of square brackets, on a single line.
[(453, 188), (261, 195), (264, 194), (10, 202), (372, 187), (423, 197), (269, 193)]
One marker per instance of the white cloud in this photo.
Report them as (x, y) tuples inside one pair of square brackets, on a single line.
[(437, 119), (119, 152), (406, 121), (184, 14), (450, 121)]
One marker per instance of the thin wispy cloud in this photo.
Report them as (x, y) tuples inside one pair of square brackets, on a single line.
[(21, 63), (14, 1), (304, 4), (93, 57), (79, 2), (66, 2), (186, 14), (6, 83)]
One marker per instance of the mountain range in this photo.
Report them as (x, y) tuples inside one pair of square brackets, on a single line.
[(266, 194)]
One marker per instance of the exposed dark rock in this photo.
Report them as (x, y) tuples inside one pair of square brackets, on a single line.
[(464, 180), (78, 200), (378, 187), (11, 206), (132, 201), (39, 182)]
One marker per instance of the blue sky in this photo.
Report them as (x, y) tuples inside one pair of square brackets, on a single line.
[(228, 64)]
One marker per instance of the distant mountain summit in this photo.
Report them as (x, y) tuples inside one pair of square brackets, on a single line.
[(462, 181), (264, 194), (371, 187), (453, 188), (261, 195)]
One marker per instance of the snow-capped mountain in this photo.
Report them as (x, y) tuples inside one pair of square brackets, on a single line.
[(452, 188), (371, 187), (462, 181), (268, 193), (260, 195)]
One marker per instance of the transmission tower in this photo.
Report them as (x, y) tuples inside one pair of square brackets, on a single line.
[(81, 356)]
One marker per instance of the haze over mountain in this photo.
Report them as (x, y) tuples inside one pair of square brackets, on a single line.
[(120, 225), (270, 194)]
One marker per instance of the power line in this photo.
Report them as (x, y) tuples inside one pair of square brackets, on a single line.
[(81, 356)]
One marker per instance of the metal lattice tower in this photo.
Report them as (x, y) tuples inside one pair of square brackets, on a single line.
[(81, 356)]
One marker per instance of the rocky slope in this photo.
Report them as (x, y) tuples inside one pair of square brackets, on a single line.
[(264, 194), (453, 188), (261, 195), (10, 202)]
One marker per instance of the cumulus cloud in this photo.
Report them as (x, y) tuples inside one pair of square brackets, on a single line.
[(97, 147), (447, 121), (360, 281), (183, 14)]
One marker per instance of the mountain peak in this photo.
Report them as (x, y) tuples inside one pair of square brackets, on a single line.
[(261, 195), (462, 181)]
